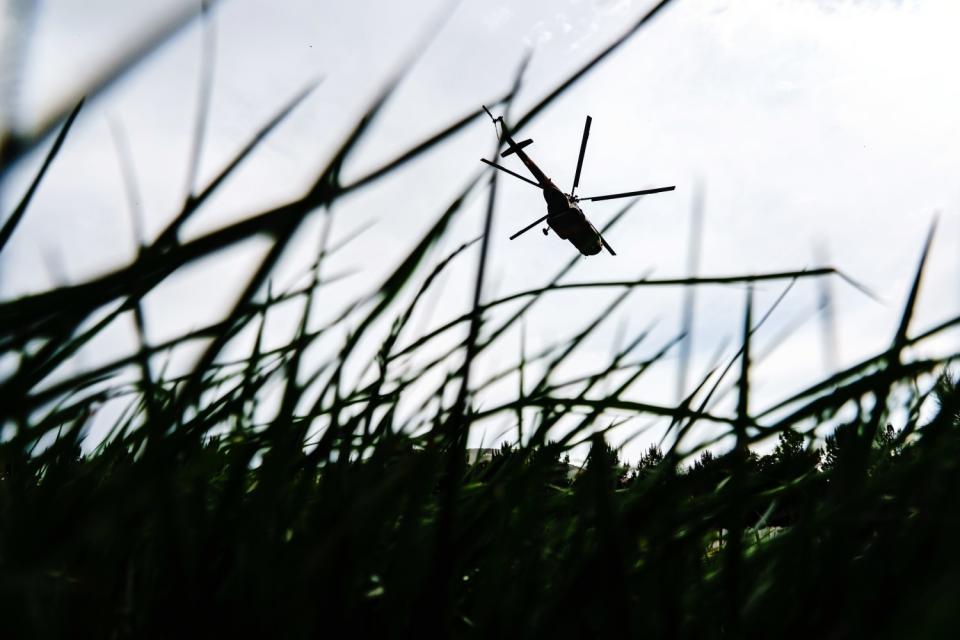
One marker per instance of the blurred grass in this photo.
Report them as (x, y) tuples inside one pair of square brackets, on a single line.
[(268, 495)]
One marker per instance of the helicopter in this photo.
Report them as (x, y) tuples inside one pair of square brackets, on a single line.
[(564, 214)]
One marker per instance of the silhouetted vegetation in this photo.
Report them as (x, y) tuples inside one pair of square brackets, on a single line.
[(198, 517)]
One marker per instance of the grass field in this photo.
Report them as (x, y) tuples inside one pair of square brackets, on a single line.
[(268, 495)]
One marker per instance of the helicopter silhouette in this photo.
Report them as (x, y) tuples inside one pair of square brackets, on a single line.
[(564, 214)]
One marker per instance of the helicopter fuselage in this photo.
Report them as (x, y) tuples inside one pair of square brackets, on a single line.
[(568, 221)]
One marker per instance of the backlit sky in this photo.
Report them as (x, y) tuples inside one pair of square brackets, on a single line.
[(806, 123)]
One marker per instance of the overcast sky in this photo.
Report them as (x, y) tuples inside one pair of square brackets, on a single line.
[(807, 123)]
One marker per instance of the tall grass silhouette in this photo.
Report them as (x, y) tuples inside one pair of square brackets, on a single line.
[(269, 494)]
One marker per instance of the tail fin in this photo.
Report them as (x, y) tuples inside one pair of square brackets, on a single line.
[(502, 135), (495, 121)]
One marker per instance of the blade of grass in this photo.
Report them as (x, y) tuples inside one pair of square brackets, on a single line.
[(204, 92), (17, 215), (694, 244), (641, 283), (19, 143)]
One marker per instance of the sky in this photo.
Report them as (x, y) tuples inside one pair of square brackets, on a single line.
[(813, 131)]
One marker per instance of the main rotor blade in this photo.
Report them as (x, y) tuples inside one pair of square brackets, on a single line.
[(631, 193), (515, 175), (606, 245), (529, 226), (583, 148)]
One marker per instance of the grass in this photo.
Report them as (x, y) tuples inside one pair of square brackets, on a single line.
[(268, 495)]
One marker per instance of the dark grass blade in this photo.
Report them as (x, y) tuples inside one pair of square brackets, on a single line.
[(456, 430), (624, 386), (857, 388), (46, 311), (400, 277), (328, 180), (105, 371), (769, 348), (17, 215), (687, 402), (823, 407), (428, 281), (584, 69), (551, 416), (598, 406), (418, 150), (272, 221), (648, 282), (149, 389), (149, 270), (686, 428), (293, 391), (204, 94), (521, 378), (530, 359), (383, 357), (894, 361), (391, 287), (496, 333), (80, 298), (514, 318), (321, 193), (733, 555), (194, 202), (592, 378), (672, 282), (20, 143), (34, 369), (900, 338), (411, 262), (37, 366), (743, 388), (194, 385), (578, 339), (618, 359), (857, 370)]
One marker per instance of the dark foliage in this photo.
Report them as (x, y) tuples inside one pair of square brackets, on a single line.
[(196, 518)]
